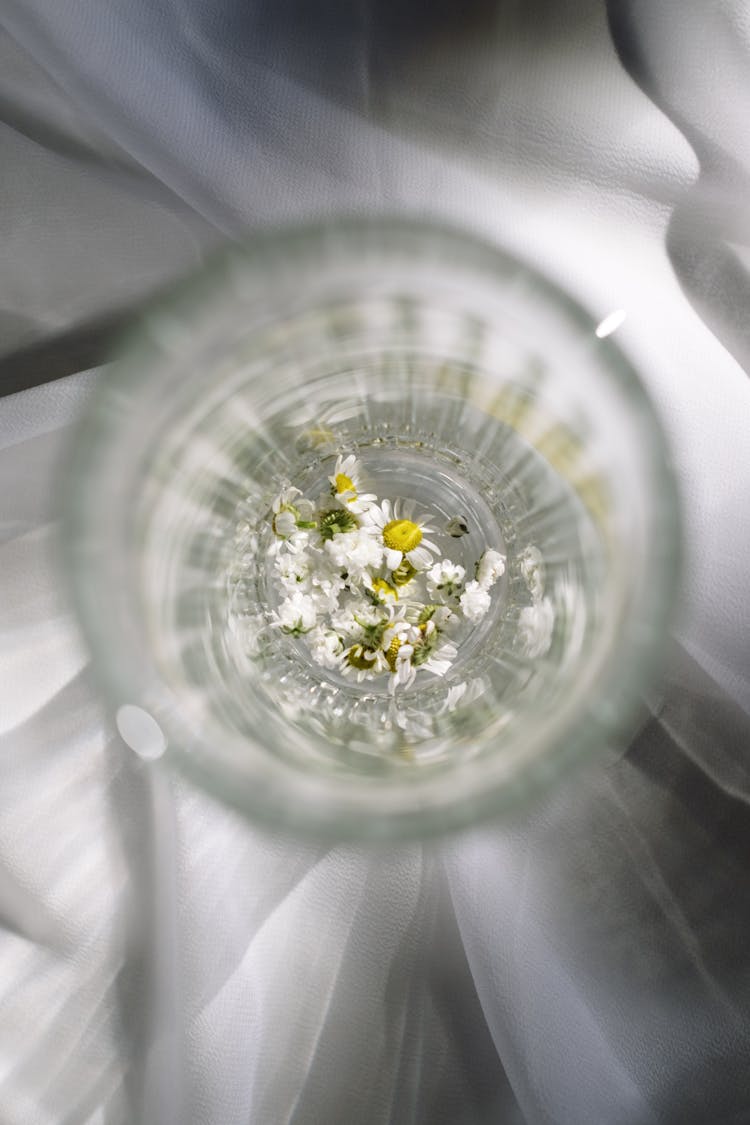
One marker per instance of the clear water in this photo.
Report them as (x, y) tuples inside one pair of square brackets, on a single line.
[(454, 460)]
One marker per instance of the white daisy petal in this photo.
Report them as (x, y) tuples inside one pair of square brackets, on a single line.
[(454, 697), (285, 498), (284, 524), (393, 558), (359, 504), (305, 510), (419, 558)]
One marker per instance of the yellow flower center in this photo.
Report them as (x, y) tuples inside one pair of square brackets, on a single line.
[(357, 658), (403, 573), (391, 653), (345, 483), (380, 586), (402, 535)]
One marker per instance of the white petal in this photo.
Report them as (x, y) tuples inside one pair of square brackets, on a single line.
[(393, 558), (437, 667), (419, 558)]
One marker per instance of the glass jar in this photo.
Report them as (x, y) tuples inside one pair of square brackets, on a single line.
[(461, 380)]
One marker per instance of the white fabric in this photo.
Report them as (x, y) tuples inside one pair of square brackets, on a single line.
[(160, 961)]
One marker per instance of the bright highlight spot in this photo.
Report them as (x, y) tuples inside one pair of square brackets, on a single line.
[(610, 323), (140, 731)]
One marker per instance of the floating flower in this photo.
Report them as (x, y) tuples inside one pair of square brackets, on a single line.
[(440, 659), (371, 624), (360, 662), (291, 520), (398, 659), (290, 513), (474, 602), (345, 479), (294, 570), (336, 521), (354, 552), (382, 590), (326, 585), (445, 579), (397, 630), (326, 647), (297, 614), (440, 614), (431, 652), (490, 567), (345, 484), (403, 574), (402, 538)]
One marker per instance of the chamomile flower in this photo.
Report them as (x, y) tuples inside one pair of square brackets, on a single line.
[(284, 523), (490, 567), (440, 659), (291, 520), (345, 484), (370, 625), (403, 673), (336, 521), (381, 590), (296, 614), (445, 579), (291, 511), (397, 632), (358, 620), (474, 602), (403, 576), (443, 617), (345, 477), (431, 651), (402, 538), (360, 663)]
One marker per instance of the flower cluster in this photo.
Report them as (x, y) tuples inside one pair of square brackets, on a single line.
[(361, 581)]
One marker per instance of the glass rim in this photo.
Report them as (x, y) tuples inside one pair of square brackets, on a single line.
[(622, 675)]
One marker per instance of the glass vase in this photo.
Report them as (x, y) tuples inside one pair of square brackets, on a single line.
[(461, 381)]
